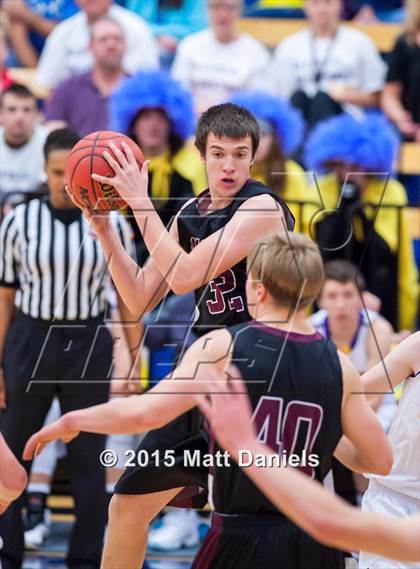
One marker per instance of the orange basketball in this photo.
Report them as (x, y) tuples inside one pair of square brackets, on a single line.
[(86, 158)]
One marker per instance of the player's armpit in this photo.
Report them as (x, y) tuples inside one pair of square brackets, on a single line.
[(357, 451), (399, 364), (379, 341)]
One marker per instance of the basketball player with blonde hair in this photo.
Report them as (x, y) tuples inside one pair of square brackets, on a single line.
[(301, 390)]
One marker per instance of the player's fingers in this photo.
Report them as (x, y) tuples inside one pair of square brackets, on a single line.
[(121, 157), (129, 154), (74, 199), (205, 407), (28, 451), (103, 179), (235, 382), (144, 168), (115, 164), (39, 448)]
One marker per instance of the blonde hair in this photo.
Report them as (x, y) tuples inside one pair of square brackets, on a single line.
[(412, 19), (289, 265)]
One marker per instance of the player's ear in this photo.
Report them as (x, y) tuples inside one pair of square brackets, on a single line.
[(203, 158), (261, 292)]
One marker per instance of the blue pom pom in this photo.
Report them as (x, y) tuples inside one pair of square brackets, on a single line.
[(286, 120), (152, 89), (370, 143)]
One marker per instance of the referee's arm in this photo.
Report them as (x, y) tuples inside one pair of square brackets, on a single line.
[(9, 282)]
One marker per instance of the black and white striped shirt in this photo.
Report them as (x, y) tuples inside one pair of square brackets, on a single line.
[(55, 262)]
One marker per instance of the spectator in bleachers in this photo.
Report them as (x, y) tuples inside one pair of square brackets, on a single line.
[(328, 68), (92, 88), (401, 95), (218, 61), (30, 23), (21, 141), (375, 11), (170, 22), (5, 79), (66, 51), (157, 113), (281, 128), (363, 216)]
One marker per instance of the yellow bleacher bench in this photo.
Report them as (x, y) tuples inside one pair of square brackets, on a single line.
[(27, 77), (409, 162), (270, 31)]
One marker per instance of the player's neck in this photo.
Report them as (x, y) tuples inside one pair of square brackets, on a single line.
[(342, 333), (284, 319), (217, 201)]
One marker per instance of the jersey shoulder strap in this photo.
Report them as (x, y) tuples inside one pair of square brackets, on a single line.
[(254, 188)]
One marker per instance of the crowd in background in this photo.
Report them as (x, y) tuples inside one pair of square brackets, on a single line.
[(333, 113)]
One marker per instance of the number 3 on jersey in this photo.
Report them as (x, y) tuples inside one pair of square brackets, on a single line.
[(221, 286), (300, 421)]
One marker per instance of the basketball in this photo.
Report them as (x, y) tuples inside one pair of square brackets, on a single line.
[(85, 159)]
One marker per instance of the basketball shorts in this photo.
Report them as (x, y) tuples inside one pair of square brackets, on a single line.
[(266, 541), (383, 500), (183, 435)]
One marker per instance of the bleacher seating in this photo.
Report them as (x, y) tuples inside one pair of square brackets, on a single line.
[(270, 31)]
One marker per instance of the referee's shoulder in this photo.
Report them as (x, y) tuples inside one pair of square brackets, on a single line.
[(16, 212)]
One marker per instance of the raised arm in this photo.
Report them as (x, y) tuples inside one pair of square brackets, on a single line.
[(141, 289), (398, 364), (364, 446), (201, 366), (329, 519), (185, 271)]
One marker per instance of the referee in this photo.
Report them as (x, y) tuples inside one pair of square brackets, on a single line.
[(53, 342)]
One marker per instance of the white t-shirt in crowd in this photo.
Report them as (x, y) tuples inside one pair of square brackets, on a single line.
[(213, 71), (66, 51), (22, 169), (350, 59)]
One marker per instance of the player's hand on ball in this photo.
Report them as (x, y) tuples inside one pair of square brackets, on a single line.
[(130, 182), (57, 430), (98, 219)]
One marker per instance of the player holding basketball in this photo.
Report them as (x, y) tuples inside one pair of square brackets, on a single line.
[(295, 412), (204, 250)]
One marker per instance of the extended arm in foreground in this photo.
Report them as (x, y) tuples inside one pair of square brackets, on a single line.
[(329, 520)]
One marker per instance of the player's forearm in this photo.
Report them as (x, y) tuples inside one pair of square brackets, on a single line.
[(125, 272), (173, 262), (117, 417), (329, 519), (291, 492), (379, 534), (376, 461), (133, 330)]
